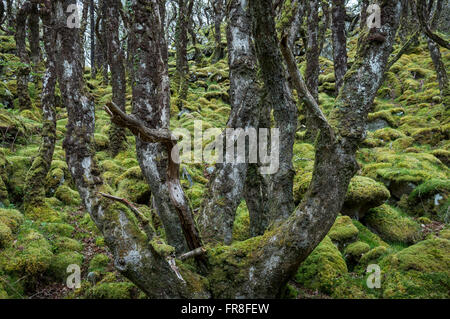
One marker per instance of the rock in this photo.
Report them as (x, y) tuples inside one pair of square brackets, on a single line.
[(343, 231), (363, 193), (377, 124), (391, 226)]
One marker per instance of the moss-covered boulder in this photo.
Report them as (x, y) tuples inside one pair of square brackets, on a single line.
[(391, 225), (67, 195), (63, 244), (419, 271), (11, 218), (431, 199), (355, 251), (364, 193), (343, 231), (5, 235), (132, 186), (373, 256), (322, 268), (29, 255), (60, 262)]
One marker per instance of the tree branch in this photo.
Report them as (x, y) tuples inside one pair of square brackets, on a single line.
[(303, 91), (426, 29)]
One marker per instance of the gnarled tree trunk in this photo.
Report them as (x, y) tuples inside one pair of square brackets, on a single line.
[(339, 41)]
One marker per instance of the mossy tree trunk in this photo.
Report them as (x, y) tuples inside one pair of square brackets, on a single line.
[(339, 41), (35, 180), (116, 60), (181, 42), (281, 202), (23, 71), (33, 37), (226, 187), (92, 32), (219, 11)]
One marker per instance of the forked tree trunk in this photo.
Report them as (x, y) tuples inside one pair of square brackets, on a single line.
[(35, 180), (116, 60), (23, 71)]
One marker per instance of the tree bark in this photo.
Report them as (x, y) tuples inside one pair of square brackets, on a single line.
[(116, 60), (281, 203), (339, 42), (33, 37), (23, 71), (92, 31), (35, 180), (219, 50), (226, 187)]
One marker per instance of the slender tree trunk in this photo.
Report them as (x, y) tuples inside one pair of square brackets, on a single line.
[(9, 14), (312, 63), (226, 187), (339, 42), (116, 59), (23, 72), (83, 27), (92, 27), (181, 41), (35, 180), (218, 17), (33, 37), (281, 203)]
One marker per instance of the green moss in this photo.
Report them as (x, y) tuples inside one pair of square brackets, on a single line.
[(372, 257), (391, 225), (366, 236), (11, 218), (64, 244), (322, 268), (5, 235), (162, 248), (419, 271), (42, 213), (112, 290), (68, 196), (29, 255), (356, 250), (241, 228), (388, 134), (364, 193), (60, 262), (60, 229), (99, 263), (343, 231), (432, 135)]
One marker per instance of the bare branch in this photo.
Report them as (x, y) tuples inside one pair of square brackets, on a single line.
[(193, 253), (303, 91)]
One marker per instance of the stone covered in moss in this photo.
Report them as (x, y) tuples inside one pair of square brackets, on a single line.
[(391, 225), (11, 218), (99, 263), (343, 231), (419, 271), (5, 235), (67, 195), (132, 186), (63, 244), (431, 198), (372, 256), (322, 268), (29, 255), (364, 193), (354, 252)]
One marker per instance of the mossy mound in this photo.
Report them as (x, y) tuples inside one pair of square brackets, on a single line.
[(419, 271), (391, 225), (364, 193), (60, 263), (355, 251), (373, 256), (431, 199), (29, 255), (343, 231), (12, 218), (67, 195), (322, 268), (132, 186), (5, 235), (64, 244), (99, 263)]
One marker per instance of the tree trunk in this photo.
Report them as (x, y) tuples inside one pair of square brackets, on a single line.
[(281, 203), (23, 71), (226, 187), (92, 27), (339, 42), (181, 41), (116, 60), (33, 37), (219, 50), (35, 180), (83, 27)]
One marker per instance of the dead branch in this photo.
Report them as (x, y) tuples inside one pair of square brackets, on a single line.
[(193, 253)]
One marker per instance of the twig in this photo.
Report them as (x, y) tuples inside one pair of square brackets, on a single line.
[(194, 253)]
